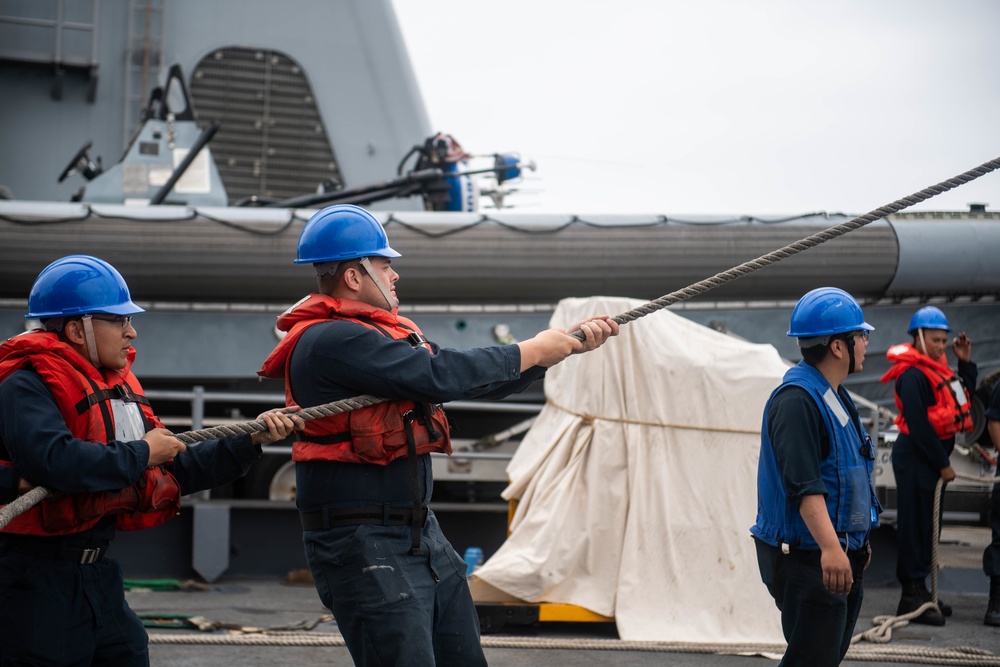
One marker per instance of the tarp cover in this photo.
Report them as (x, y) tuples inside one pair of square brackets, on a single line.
[(636, 486)]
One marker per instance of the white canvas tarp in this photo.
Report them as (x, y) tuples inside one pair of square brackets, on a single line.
[(636, 486)]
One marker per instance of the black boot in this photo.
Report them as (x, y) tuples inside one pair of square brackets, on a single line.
[(915, 594), (993, 608), (944, 607)]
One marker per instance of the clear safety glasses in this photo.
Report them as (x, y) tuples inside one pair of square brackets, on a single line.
[(123, 320)]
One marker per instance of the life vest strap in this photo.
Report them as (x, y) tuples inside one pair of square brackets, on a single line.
[(411, 446), (121, 391)]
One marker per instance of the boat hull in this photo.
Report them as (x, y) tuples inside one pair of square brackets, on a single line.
[(238, 255)]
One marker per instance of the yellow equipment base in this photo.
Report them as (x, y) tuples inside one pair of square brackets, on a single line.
[(494, 616)]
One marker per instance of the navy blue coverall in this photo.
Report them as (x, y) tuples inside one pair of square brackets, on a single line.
[(991, 555), (393, 607), (917, 461)]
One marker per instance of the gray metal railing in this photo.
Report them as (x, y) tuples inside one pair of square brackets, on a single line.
[(198, 397)]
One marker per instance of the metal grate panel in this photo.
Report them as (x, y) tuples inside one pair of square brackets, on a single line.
[(271, 141)]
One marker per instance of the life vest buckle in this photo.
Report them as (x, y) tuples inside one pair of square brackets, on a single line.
[(415, 339), (124, 393)]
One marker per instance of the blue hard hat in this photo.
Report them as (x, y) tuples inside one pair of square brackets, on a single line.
[(825, 311), (340, 232), (77, 285), (928, 317)]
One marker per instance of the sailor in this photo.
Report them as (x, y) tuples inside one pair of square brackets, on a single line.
[(816, 503), (991, 555), (934, 404), (74, 419), (379, 559)]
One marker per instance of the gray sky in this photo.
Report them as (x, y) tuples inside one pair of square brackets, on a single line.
[(718, 106)]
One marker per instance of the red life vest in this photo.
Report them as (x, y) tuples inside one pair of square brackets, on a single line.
[(82, 394), (946, 416), (375, 434)]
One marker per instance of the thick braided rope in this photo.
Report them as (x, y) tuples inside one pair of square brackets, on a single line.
[(190, 437), (36, 495), (884, 624), (831, 233), (21, 504), (325, 410)]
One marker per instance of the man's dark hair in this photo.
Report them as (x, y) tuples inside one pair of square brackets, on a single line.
[(57, 324), (328, 280), (814, 354)]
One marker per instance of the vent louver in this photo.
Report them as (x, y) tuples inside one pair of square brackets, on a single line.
[(271, 141)]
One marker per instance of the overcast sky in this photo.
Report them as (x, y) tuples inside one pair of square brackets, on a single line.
[(718, 106)]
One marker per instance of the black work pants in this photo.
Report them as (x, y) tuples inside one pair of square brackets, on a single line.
[(817, 623), (395, 608), (56, 612), (915, 484), (991, 556)]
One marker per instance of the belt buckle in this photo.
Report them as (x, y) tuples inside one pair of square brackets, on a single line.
[(89, 556)]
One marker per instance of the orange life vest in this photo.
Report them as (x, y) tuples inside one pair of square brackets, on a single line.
[(948, 415), (82, 394), (375, 434)]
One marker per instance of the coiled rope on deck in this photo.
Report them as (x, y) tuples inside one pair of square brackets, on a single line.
[(884, 624), (8, 512)]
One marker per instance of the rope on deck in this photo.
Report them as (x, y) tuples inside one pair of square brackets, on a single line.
[(900, 654), (880, 635), (885, 624)]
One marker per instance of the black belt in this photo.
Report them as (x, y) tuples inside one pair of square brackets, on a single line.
[(55, 548), (863, 552), (858, 555), (384, 515)]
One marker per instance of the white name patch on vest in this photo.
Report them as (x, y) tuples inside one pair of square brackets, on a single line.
[(128, 420), (836, 407), (959, 390)]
